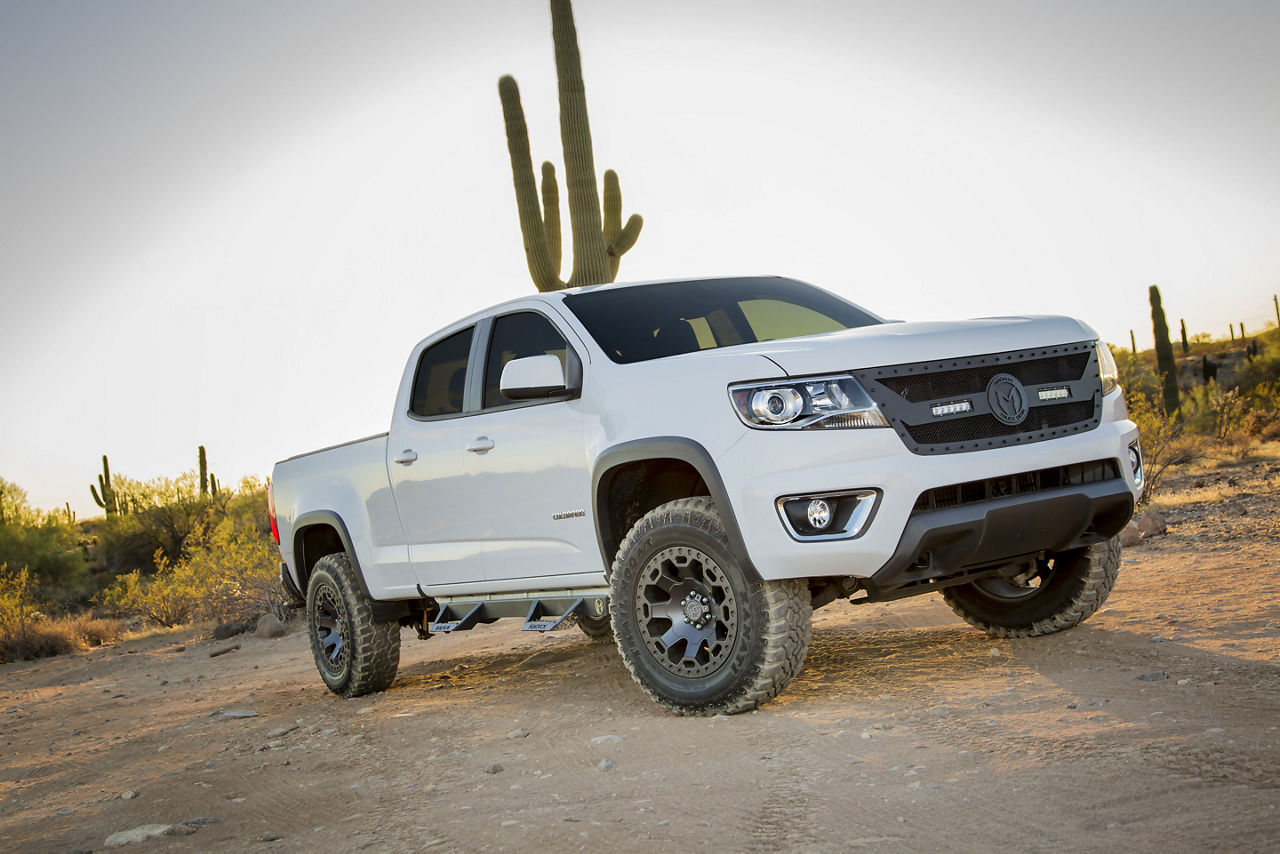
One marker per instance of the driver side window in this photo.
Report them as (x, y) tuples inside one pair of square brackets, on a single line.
[(516, 336)]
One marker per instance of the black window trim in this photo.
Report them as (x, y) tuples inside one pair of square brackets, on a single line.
[(475, 373), (471, 356), (473, 392)]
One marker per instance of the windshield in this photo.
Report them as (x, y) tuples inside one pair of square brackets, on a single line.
[(667, 319)]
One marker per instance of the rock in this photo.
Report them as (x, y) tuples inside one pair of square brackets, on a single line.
[(495, 768), (269, 627), (1130, 535), (281, 731), (183, 830), (518, 733), (607, 739), (1152, 524), (234, 713), (217, 652), (269, 836), (202, 820), (1234, 508), (129, 795), (606, 764), (1154, 676), (222, 631), (136, 834)]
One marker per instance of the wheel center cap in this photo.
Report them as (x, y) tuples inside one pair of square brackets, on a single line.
[(694, 610)]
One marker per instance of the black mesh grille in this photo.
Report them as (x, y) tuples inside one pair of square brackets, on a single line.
[(976, 491), (946, 407), (988, 427), (933, 385)]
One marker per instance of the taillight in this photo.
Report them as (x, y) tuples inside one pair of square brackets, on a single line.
[(271, 511)]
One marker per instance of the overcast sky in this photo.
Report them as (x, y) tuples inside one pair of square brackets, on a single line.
[(228, 223)]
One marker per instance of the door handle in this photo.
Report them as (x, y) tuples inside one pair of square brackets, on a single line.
[(480, 445), (405, 457)]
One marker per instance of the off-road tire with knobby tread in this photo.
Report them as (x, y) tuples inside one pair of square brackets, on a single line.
[(369, 651), (598, 629), (770, 621), (1078, 584)]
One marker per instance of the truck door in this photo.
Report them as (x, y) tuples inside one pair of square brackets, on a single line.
[(528, 490), (424, 462)]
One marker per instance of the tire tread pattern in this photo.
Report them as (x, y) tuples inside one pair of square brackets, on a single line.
[(787, 627), (374, 649), (1102, 567)]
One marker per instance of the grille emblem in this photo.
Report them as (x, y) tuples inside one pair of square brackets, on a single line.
[(1007, 398)]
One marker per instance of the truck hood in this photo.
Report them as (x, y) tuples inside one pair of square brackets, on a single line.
[(898, 343)]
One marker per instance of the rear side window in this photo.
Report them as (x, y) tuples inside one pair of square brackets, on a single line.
[(441, 379), (514, 337)]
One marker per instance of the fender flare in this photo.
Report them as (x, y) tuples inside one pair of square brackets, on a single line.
[(382, 609), (665, 448)]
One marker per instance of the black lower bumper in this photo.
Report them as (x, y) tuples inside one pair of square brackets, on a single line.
[(941, 548)]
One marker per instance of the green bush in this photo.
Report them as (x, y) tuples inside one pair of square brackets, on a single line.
[(226, 575)]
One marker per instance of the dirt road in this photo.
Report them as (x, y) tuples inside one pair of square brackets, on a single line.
[(1152, 727)]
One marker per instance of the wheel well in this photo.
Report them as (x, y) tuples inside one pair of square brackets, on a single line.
[(312, 543), (628, 491)]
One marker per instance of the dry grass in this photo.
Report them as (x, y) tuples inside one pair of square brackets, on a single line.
[(39, 638)]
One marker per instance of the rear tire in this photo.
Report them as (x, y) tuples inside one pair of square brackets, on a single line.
[(1071, 586), (599, 629), (354, 653), (696, 633)]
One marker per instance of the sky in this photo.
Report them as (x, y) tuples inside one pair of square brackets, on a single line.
[(228, 223)]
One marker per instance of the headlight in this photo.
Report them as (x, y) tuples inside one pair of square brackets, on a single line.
[(835, 402), (1107, 367)]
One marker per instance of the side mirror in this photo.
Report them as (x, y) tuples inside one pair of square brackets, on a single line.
[(532, 378)]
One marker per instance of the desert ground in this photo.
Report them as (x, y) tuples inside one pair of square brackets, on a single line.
[(1151, 727)]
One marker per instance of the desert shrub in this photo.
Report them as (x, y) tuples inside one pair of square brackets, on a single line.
[(47, 544), (1165, 441), (227, 575), (19, 609), (25, 632), (94, 631)]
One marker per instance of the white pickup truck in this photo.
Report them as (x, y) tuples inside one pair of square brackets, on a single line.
[(690, 467)]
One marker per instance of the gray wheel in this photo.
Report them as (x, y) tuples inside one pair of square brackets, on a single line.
[(355, 654), (695, 632), (1058, 593)]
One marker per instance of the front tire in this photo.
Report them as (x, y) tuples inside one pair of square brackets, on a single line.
[(1063, 592), (354, 653), (697, 635)]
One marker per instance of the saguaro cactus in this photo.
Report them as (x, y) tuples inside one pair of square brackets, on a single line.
[(1133, 343), (204, 473), (598, 243), (1186, 347), (1164, 351), (107, 500)]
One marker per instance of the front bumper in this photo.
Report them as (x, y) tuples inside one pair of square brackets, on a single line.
[(761, 467)]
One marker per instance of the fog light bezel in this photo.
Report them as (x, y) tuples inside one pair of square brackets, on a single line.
[(851, 513), (1139, 476)]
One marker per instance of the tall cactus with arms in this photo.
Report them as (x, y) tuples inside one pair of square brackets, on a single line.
[(108, 500), (598, 243)]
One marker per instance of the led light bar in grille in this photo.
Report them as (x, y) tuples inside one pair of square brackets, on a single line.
[(951, 408)]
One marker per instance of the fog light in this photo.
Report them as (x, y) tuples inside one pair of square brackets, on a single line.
[(829, 515), (1135, 463), (819, 514)]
